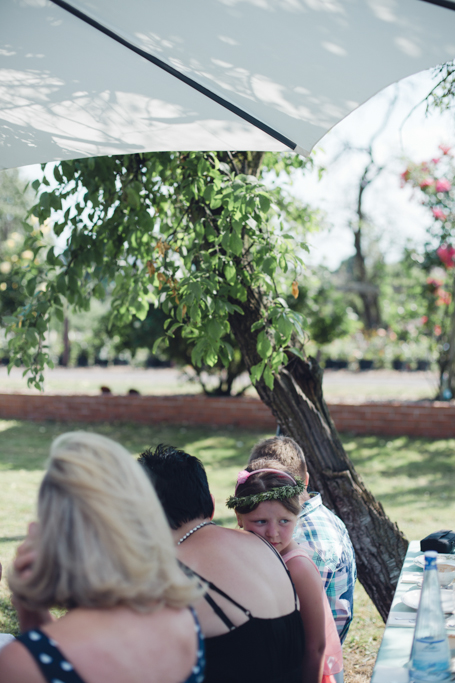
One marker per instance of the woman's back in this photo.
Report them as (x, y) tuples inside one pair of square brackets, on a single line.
[(245, 568), (115, 645), (253, 632)]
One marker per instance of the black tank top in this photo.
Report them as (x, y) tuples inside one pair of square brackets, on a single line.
[(257, 651)]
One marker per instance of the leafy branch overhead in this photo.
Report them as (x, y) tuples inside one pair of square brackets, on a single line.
[(198, 234)]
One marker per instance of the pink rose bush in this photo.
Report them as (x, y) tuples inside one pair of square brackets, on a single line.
[(434, 180), (444, 298), (439, 213), (434, 184), (443, 185), (433, 284), (447, 255)]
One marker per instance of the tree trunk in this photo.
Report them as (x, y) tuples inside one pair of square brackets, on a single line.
[(368, 292), (299, 407), (66, 343)]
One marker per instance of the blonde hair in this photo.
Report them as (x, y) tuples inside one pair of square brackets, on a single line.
[(103, 538)]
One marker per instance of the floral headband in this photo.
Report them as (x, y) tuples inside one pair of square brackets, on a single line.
[(276, 493)]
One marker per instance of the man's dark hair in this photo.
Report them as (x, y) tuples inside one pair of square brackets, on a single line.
[(180, 482)]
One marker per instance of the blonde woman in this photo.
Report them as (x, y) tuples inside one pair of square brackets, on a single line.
[(101, 549)]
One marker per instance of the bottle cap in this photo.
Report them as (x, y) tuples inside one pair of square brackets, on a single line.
[(430, 558)]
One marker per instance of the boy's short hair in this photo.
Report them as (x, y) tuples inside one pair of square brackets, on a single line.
[(283, 449)]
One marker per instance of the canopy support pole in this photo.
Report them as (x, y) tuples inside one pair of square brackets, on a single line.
[(174, 72), (448, 4)]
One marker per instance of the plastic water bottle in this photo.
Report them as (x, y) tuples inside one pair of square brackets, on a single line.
[(430, 654)]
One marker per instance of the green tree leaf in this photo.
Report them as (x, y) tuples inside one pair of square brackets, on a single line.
[(264, 346)]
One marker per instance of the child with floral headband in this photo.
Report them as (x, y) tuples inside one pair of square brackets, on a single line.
[(266, 502)]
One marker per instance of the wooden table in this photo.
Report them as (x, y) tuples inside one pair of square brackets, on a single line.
[(395, 649)]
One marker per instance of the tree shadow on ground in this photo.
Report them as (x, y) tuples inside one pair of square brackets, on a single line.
[(435, 494), (8, 539), (402, 456), (25, 445)]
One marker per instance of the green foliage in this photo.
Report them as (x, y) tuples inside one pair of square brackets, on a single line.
[(184, 231), (334, 326), (144, 335), (278, 493), (22, 270), (325, 307), (441, 96)]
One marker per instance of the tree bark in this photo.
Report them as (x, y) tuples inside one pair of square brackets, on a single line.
[(299, 407), (66, 343), (370, 293)]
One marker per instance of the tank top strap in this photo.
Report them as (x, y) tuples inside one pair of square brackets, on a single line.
[(219, 612), (282, 562), (216, 608), (52, 664)]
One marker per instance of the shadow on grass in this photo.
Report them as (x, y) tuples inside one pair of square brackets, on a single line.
[(9, 539), (437, 494), (25, 445), (402, 456)]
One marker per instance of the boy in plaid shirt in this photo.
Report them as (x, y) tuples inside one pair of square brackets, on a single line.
[(319, 531)]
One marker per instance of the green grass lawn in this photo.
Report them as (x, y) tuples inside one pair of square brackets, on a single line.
[(413, 478)]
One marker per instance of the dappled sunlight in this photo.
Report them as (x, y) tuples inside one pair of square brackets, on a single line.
[(8, 424), (55, 105), (297, 66), (414, 479)]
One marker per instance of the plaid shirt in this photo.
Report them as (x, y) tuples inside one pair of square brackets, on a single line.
[(326, 539)]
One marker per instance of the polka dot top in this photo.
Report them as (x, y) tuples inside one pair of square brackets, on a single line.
[(55, 668)]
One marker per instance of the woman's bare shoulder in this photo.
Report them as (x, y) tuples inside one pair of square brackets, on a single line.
[(242, 537), (134, 642), (17, 665)]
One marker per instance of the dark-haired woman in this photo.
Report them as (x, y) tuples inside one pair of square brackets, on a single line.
[(252, 627), (266, 502)]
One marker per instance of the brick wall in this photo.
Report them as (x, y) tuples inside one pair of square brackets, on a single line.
[(178, 409), (432, 419), (436, 420)]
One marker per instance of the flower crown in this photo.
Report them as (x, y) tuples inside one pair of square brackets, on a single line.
[(276, 493)]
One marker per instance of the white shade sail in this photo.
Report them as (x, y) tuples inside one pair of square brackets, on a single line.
[(122, 76)]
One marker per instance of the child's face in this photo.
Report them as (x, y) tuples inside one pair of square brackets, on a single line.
[(272, 521)]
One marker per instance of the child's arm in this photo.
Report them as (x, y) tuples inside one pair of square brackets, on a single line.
[(308, 585)]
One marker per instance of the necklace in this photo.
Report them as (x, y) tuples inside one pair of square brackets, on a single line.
[(191, 531)]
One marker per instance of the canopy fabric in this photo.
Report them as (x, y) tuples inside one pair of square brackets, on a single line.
[(260, 74)]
